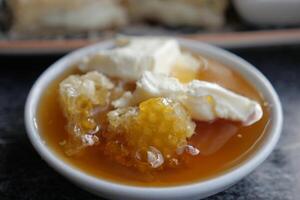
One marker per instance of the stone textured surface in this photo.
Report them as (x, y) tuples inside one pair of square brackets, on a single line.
[(25, 176)]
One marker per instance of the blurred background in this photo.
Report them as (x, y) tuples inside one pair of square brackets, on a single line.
[(47, 26), (35, 33)]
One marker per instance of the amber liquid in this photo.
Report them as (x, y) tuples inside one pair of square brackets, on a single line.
[(223, 144)]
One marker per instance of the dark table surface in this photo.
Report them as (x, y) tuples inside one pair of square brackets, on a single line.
[(24, 175)]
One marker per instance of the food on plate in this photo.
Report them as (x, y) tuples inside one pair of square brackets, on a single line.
[(57, 16), (148, 112), (205, 13)]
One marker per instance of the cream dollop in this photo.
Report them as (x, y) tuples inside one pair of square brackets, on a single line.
[(204, 100), (135, 56)]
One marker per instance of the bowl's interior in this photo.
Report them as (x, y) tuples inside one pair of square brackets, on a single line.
[(205, 187)]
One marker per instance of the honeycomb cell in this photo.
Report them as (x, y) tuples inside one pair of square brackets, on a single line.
[(81, 98), (153, 132)]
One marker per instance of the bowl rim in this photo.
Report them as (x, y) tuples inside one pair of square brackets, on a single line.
[(114, 189)]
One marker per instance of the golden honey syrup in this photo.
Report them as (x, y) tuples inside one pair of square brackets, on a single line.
[(222, 144)]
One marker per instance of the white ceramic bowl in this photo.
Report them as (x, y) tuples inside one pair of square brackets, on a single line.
[(197, 190)]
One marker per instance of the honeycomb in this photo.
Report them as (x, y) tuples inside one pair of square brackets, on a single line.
[(151, 134), (81, 98)]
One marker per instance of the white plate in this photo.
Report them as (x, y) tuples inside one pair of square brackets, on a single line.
[(225, 40)]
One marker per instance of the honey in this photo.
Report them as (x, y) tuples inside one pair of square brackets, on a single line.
[(222, 144)]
